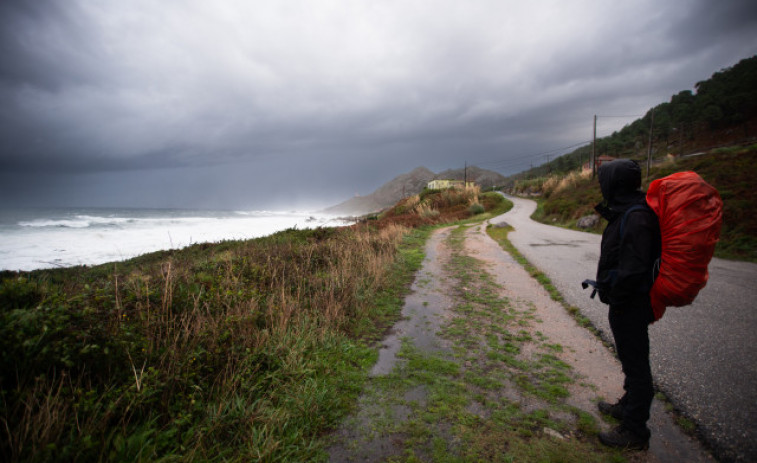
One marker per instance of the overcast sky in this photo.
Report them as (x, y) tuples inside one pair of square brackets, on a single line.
[(300, 104)]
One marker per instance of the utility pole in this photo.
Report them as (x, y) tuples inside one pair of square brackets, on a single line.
[(465, 184), (649, 151), (594, 150)]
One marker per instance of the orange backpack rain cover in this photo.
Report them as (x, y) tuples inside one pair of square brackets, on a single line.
[(690, 212)]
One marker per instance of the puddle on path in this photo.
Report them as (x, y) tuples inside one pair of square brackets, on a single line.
[(426, 308)]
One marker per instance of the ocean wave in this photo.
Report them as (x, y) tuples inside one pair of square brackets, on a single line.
[(267, 213), (88, 221), (79, 221)]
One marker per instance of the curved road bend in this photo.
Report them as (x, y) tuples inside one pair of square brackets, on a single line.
[(702, 356)]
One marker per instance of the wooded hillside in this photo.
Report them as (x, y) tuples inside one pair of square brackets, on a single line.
[(722, 111)]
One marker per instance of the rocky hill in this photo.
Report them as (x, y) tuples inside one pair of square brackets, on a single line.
[(409, 184)]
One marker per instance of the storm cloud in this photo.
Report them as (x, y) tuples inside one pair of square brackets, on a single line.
[(255, 104)]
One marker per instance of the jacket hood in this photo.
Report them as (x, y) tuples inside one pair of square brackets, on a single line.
[(620, 181)]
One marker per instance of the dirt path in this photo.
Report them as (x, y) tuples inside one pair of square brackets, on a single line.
[(486, 367)]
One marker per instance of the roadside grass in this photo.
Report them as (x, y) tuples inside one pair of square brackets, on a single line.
[(685, 423), (729, 170), (493, 204), (499, 234), (497, 392)]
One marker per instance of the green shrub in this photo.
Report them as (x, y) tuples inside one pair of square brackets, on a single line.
[(16, 293), (476, 208)]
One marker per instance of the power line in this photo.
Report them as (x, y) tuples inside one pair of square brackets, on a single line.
[(623, 117), (513, 160), (524, 156)]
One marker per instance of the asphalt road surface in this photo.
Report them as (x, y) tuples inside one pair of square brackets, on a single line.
[(702, 356)]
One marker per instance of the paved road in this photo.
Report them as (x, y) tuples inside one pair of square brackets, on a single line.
[(703, 355)]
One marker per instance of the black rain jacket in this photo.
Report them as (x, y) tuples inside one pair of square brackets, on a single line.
[(626, 269)]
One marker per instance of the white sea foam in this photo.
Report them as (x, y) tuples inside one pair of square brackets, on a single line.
[(79, 221), (93, 238)]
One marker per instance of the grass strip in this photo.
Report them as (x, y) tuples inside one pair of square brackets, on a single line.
[(499, 234)]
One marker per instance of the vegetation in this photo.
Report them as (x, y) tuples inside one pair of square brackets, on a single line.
[(565, 199), (441, 206), (730, 170), (240, 350), (722, 112)]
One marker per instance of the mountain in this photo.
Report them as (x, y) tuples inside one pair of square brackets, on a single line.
[(387, 195), (409, 184)]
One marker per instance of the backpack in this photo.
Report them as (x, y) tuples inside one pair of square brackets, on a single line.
[(690, 212)]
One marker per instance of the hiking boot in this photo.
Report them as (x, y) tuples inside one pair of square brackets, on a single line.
[(624, 438), (614, 410)]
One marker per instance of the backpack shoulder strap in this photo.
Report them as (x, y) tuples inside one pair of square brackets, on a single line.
[(641, 207), (636, 207)]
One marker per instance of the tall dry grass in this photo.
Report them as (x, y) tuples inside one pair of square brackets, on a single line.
[(426, 211), (178, 354), (558, 183), (452, 197), (409, 203), (546, 186)]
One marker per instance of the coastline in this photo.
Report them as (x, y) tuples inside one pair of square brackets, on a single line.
[(60, 239)]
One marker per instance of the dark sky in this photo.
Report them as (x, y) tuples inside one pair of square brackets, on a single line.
[(301, 104)]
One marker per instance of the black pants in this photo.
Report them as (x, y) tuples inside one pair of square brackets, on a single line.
[(630, 329)]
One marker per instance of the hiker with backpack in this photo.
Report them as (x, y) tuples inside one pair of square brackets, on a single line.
[(631, 245), (655, 251)]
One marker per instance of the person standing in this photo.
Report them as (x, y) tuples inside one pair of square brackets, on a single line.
[(625, 274)]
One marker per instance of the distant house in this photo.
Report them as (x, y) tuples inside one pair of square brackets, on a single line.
[(444, 184), (599, 161)]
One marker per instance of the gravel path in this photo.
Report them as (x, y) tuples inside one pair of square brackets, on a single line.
[(703, 355)]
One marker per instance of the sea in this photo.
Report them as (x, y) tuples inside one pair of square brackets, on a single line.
[(33, 239)]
